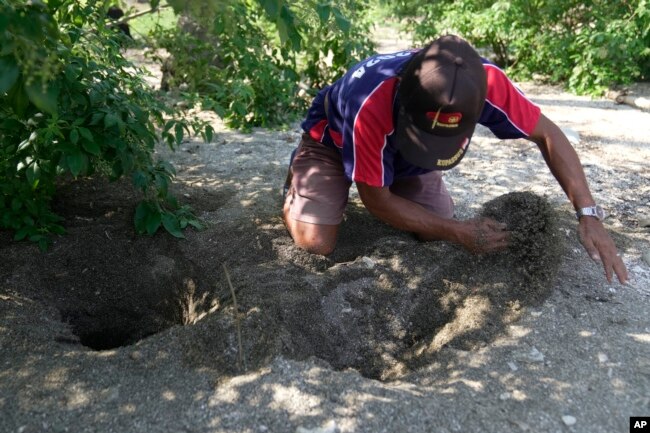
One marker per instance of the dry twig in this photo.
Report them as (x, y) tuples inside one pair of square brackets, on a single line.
[(242, 360)]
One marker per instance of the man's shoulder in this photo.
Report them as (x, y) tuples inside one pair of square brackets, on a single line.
[(495, 75), (507, 111), (371, 72)]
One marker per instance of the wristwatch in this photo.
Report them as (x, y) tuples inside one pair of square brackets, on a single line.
[(593, 211)]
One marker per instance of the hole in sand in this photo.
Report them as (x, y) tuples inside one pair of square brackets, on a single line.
[(112, 287), (109, 329), (111, 326)]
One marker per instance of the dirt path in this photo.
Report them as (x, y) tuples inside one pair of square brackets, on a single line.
[(110, 332)]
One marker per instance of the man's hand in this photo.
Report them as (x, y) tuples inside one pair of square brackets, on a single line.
[(601, 248), (484, 235)]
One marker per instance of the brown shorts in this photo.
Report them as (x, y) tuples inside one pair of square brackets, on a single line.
[(319, 189)]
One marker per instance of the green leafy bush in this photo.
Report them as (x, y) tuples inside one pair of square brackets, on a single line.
[(71, 105), (249, 60), (588, 46)]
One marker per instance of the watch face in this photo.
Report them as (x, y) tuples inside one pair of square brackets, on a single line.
[(600, 213)]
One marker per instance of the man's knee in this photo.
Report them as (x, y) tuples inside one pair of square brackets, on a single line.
[(314, 238), (320, 246)]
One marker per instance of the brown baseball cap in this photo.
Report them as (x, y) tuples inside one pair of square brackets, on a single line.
[(441, 95)]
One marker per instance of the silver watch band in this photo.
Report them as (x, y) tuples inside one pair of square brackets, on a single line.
[(592, 211)]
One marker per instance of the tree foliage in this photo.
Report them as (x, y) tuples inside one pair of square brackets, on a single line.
[(71, 105), (586, 45), (248, 60)]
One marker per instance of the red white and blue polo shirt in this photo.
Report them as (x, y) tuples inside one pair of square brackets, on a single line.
[(362, 113)]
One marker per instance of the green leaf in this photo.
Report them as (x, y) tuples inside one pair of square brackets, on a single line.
[(287, 28), (121, 125), (209, 134), (139, 114), (147, 218), (55, 228), (218, 26), (77, 162), (22, 233), (167, 167), (96, 97), (43, 96), (110, 120), (196, 224), (74, 136), (127, 161), (9, 72), (116, 169), (171, 224), (9, 123), (91, 147), (43, 243), (178, 130), (141, 212), (162, 184), (32, 206), (24, 145), (324, 10), (33, 174), (139, 179), (341, 21), (152, 222), (169, 125), (140, 131), (171, 201), (71, 72), (85, 133), (19, 100), (271, 7), (96, 118)]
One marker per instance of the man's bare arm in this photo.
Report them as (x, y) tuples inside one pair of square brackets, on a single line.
[(565, 165), (481, 235)]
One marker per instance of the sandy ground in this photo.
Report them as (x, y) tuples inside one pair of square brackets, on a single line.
[(461, 344)]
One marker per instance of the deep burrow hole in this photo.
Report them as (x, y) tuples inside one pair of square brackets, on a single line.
[(110, 324), (110, 329), (115, 292)]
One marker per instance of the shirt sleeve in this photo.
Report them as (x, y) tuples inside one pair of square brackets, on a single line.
[(507, 112)]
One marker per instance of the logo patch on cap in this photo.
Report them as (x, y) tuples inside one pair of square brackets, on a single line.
[(444, 120)]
